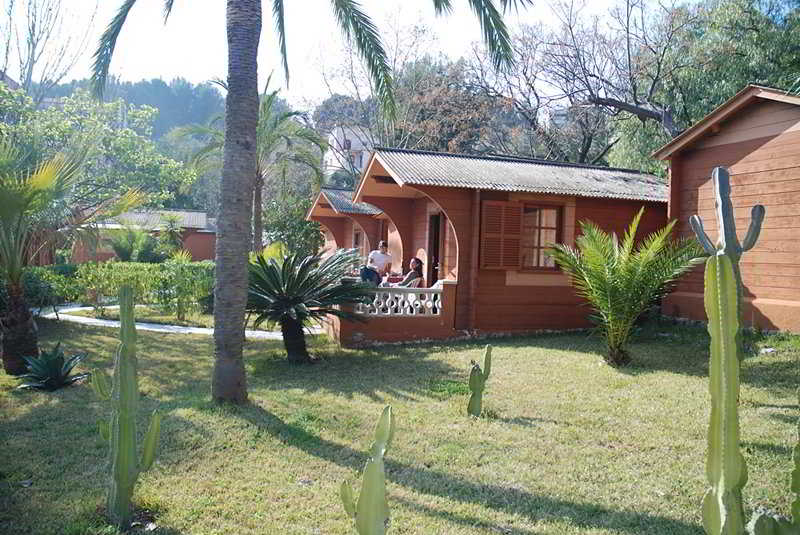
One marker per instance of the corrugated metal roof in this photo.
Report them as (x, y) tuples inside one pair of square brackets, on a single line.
[(153, 220), (342, 202), (519, 174)]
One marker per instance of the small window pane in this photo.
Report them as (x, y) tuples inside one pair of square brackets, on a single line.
[(546, 260), (548, 237), (549, 217)]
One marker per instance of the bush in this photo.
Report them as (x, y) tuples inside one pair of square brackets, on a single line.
[(46, 286), (185, 284), (177, 285)]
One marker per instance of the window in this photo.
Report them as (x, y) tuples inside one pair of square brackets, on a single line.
[(516, 236), (347, 144), (540, 230)]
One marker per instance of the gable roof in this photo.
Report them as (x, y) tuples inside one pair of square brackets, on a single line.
[(507, 173), (341, 200), (154, 220), (749, 94)]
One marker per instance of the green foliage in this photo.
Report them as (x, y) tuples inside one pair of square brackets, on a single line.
[(285, 222), (299, 289), (477, 383), (120, 428), (619, 279), (123, 156), (135, 245), (183, 284), (51, 370), (177, 284), (371, 512)]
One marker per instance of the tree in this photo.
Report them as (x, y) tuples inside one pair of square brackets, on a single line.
[(36, 206), (661, 67), (243, 23), (620, 280), (297, 289), (280, 139), (124, 157), (39, 35), (546, 118), (285, 222)]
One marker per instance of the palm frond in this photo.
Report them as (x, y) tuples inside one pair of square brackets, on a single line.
[(280, 29), (167, 9), (356, 25), (105, 48), (495, 33), (620, 280)]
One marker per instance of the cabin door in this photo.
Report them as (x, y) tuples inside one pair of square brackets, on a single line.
[(434, 249)]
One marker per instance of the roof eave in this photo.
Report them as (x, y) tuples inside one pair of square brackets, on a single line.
[(741, 99)]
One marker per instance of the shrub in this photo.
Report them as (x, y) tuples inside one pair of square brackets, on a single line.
[(177, 285), (51, 370), (184, 284), (620, 280)]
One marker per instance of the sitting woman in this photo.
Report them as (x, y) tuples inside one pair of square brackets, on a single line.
[(413, 278)]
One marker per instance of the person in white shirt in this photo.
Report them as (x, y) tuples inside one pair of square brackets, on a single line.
[(379, 262)]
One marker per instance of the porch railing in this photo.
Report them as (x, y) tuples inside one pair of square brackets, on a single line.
[(404, 302)]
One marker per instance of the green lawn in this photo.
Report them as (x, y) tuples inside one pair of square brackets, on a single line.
[(570, 445), (154, 314)]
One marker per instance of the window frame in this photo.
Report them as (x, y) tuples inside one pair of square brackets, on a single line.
[(559, 207)]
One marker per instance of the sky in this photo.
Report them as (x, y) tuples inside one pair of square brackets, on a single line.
[(192, 44)]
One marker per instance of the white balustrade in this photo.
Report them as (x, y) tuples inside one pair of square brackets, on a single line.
[(404, 302)]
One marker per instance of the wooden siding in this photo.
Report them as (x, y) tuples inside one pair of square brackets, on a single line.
[(761, 149)]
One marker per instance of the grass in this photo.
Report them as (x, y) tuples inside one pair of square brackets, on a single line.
[(570, 446), (154, 314)]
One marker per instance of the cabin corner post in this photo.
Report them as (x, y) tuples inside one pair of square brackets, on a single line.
[(674, 181), (474, 258)]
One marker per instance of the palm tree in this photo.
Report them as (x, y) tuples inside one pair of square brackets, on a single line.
[(295, 290), (32, 201), (620, 282), (280, 139), (243, 23)]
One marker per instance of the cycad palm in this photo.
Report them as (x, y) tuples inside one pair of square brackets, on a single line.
[(295, 290), (243, 24), (280, 140), (620, 280), (32, 202)]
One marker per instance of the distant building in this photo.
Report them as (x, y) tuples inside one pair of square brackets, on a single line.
[(10, 82), (348, 150), (198, 232)]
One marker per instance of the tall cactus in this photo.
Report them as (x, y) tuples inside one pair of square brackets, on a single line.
[(371, 512), (477, 383), (120, 429), (765, 524), (723, 513)]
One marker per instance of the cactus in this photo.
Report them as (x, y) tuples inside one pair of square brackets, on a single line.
[(765, 524), (723, 512), (371, 512), (477, 382), (120, 429)]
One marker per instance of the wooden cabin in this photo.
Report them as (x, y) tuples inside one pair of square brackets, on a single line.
[(756, 136), (481, 225)]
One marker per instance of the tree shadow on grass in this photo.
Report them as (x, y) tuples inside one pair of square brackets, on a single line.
[(469, 521), (404, 372), (509, 500)]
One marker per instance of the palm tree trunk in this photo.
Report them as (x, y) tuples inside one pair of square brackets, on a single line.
[(243, 21), (258, 216), (18, 335), (294, 340)]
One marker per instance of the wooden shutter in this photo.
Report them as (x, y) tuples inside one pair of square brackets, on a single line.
[(501, 233)]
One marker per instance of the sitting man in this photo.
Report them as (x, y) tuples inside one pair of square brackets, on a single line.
[(379, 263)]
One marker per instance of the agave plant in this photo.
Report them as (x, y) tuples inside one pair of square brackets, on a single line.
[(51, 370), (296, 290), (620, 280)]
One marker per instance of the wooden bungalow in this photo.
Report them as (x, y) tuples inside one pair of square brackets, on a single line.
[(756, 136), (481, 225)]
